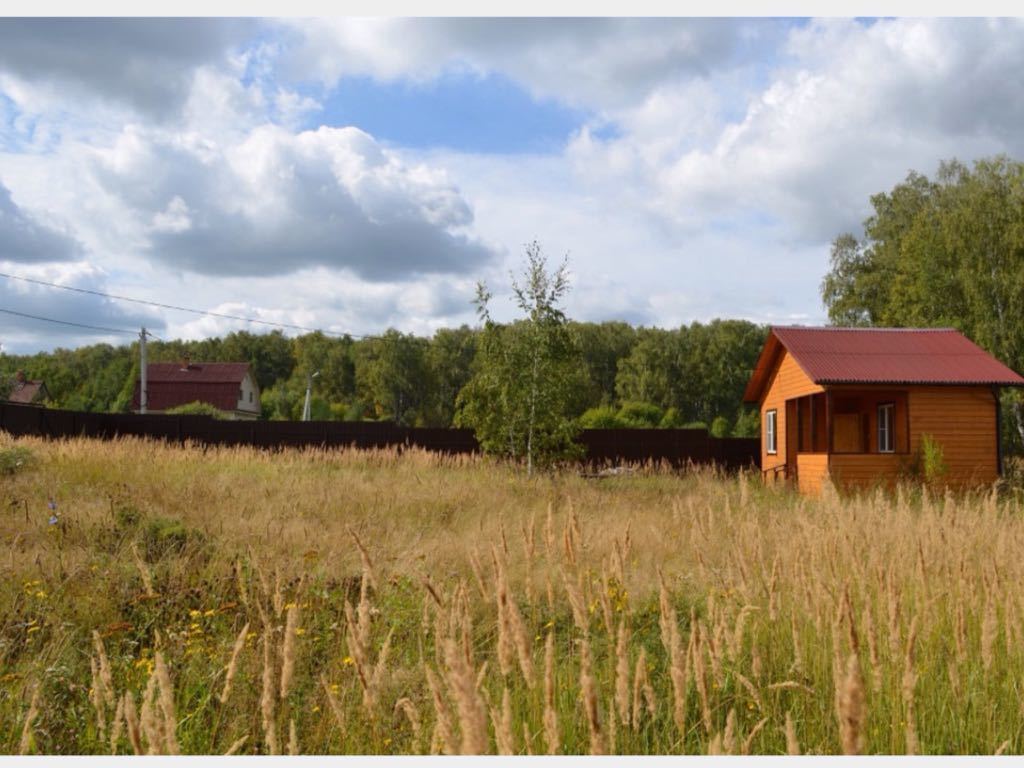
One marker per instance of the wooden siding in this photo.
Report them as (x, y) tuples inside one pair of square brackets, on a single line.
[(786, 382), (961, 419), (811, 469), (865, 470)]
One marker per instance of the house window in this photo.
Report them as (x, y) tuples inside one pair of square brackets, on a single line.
[(886, 443), (769, 431), (241, 396), (250, 395)]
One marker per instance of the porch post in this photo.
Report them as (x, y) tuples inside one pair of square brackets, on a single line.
[(999, 432), (828, 426)]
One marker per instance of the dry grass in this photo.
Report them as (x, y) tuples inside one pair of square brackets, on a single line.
[(214, 601)]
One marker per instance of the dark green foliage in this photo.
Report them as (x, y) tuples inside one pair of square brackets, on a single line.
[(942, 253), (748, 423), (695, 372), (699, 370), (392, 376)]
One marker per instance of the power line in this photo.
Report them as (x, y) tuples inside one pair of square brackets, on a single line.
[(175, 308), (68, 322)]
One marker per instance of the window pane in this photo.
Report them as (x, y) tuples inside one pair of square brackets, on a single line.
[(885, 436)]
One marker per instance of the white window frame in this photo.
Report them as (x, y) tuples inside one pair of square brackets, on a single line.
[(771, 431), (885, 430)]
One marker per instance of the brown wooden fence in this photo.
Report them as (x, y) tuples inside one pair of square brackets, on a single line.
[(677, 447)]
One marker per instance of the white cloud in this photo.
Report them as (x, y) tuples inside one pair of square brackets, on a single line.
[(596, 63), (714, 147), (144, 63), (854, 110), (277, 201), (23, 238)]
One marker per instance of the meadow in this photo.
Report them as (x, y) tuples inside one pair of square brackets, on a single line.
[(161, 599)]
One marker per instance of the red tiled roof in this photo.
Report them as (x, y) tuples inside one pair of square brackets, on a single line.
[(881, 356)]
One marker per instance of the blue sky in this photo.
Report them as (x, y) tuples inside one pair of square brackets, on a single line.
[(464, 112), (360, 174)]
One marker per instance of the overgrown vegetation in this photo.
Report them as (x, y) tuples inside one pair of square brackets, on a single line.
[(13, 458), (197, 408), (372, 602), (697, 371)]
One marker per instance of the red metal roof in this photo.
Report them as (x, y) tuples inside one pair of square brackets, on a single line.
[(881, 356), (169, 385), (219, 373)]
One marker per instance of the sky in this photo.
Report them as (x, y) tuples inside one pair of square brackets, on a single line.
[(359, 174)]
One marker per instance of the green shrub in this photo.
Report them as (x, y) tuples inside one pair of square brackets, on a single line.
[(672, 419), (603, 417), (929, 462), (720, 427), (933, 461), (126, 515), (642, 415), (14, 459), (748, 423), (163, 536), (197, 408)]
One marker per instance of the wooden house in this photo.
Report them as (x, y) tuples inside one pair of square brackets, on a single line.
[(230, 387), (26, 391), (854, 404)]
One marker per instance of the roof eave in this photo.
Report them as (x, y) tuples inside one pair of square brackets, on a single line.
[(916, 383)]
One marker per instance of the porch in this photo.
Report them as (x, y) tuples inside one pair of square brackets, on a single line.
[(852, 435)]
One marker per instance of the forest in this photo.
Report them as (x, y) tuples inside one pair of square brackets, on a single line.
[(627, 376)]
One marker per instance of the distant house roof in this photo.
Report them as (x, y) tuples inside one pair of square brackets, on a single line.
[(169, 385), (26, 392), (881, 356), (207, 373)]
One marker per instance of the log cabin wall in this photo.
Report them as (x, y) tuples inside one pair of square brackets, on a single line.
[(786, 382)]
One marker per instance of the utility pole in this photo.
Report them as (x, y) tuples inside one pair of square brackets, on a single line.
[(309, 394), (142, 370)]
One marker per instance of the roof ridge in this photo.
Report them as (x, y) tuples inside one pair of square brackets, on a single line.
[(859, 328)]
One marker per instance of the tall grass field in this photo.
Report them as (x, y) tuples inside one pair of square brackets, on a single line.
[(166, 599)]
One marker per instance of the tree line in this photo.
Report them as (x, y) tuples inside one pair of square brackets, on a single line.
[(615, 374)]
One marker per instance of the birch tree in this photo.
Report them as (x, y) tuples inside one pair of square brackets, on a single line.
[(520, 398)]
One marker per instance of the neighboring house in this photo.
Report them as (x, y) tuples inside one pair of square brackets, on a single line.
[(853, 404), (230, 387), (26, 391)]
